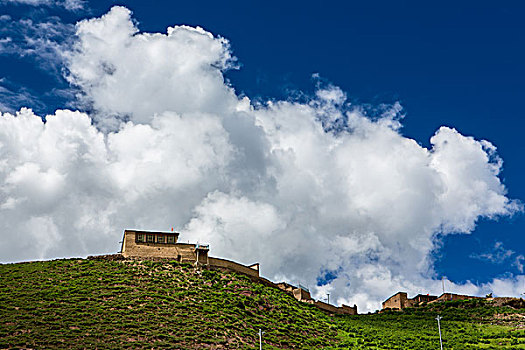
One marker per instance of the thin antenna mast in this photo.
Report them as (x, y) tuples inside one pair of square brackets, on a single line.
[(260, 338), (439, 328)]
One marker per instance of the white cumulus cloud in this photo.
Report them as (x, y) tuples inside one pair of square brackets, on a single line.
[(126, 73), (315, 192)]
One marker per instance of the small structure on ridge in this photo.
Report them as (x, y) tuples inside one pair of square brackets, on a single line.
[(302, 293), (165, 245), (400, 300), (150, 244)]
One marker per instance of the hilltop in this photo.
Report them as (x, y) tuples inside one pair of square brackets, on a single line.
[(78, 303)]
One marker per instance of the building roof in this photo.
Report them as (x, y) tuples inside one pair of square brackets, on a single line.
[(390, 297), (150, 232)]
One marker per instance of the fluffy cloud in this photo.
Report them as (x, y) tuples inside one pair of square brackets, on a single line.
[(136, 75), (317, 192)]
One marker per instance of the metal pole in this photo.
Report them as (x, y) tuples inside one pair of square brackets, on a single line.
[(439, 328), (260, 338), (328, 294)]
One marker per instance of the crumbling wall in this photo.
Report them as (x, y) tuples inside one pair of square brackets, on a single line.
[(301, 294), (451, 296), (107, 257), (304, 296), (285, 286), (327, 307), (396, 301), (231, 265), (348, 310), (515, 303)]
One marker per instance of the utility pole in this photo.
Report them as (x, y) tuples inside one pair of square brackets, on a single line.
[(439, 328), (443, 283), (260, 338), (328, 295)]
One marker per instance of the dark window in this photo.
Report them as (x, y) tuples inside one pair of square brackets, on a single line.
[(140, 237), (160, 239), (171, 239), (150, 238)]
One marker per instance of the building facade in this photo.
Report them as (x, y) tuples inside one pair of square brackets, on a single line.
[(397, 301), (151, 244), (423, 298)]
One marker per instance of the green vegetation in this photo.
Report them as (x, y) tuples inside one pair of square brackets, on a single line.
[(127, 304), (103, 304), (468, 324)]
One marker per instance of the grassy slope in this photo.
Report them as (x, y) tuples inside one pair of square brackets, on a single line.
[(465, 325), (105, 304), (125, 304)]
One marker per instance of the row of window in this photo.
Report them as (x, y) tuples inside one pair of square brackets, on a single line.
[(151, 238)]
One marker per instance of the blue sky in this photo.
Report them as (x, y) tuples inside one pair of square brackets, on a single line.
[(447, 64)]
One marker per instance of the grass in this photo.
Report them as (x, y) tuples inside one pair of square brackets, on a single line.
[(417, 329), (78, 304)]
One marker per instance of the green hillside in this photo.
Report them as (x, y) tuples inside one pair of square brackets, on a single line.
[(77, 304)]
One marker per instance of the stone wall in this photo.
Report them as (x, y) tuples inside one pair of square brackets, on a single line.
[(301, 294), (231, 265), (304, 296), (397, 301), (108, 257), (451, 296), (327, 307), (400, 301), (342, 310), (516, 303), (285, 286), (348, 310)]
